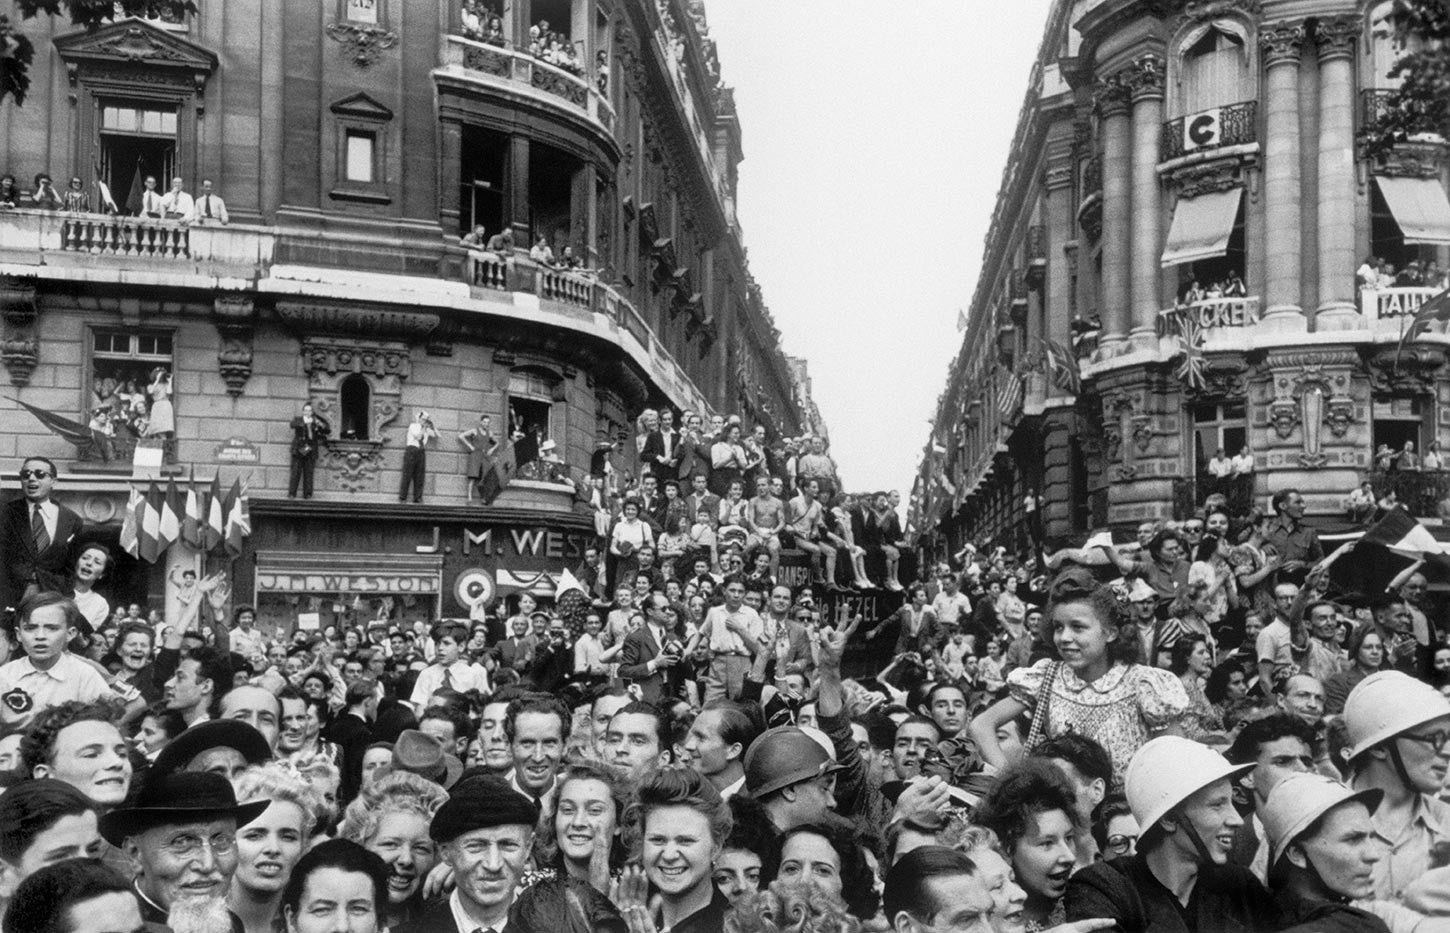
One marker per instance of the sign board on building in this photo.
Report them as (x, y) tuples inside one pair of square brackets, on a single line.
[(1202, 130), (238, 450), (362, 11), (363, 584)]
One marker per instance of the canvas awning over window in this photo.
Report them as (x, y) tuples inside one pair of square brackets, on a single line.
[(1420, 208), (1201, 227)]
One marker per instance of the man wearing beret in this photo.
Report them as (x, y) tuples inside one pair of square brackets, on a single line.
[(485, 832), (181, 839)]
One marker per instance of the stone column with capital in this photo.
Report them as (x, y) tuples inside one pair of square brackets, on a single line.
[(1112, 97), (1144, 79), (1281, 44), (1057, 181), (1337, 38)]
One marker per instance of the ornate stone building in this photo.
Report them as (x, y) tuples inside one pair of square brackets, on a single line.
[(1172, 269), (353, 143)]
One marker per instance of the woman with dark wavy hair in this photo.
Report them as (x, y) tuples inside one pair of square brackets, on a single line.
[(1094, 686), (828, 857)]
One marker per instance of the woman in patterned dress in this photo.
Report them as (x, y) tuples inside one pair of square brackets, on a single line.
[(1097, 688)]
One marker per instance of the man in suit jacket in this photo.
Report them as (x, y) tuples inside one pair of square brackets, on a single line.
[(36, 534), (692, 453), (643, 659), (658, 456), (309, 430), (352, 732), (701, 497), (481, 812)]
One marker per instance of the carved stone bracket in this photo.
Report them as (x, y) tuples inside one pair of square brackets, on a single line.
[(20, 346), (235, 317), (1111, 95), (1339, 415), (1192, 181), (362, 43), (1412, 159), (1412, 372), (1313, 391), (308, 319), (353, 466)]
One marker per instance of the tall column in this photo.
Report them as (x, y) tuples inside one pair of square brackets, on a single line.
[(1057, 181), (450, 167), (1337, 38), (1145, 82), (1281, 43), (519, 215), (1112, 101)]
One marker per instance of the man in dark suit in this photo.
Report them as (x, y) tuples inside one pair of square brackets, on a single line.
[(692, 453), (643, 658), (658, 456), (701, 497), (309, 430), (352, 732), (652, 504), (36, 534), (483, 821)]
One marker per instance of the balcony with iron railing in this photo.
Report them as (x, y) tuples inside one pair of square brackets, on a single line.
[(1209, 130), (521, 73)]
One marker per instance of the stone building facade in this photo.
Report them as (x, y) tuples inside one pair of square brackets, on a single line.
[(1173, 268), (353, 143)]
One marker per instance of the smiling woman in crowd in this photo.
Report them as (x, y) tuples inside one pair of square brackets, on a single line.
[(391, 819), (269, 846)]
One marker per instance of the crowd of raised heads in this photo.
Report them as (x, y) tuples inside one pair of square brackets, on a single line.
[(1190, 731), (1376, 274), (1196, 290)]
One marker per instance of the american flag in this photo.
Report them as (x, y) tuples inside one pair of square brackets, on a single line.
[(1009, 400)]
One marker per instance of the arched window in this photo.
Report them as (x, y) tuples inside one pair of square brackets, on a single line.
[(1213, 70), (355, 398)]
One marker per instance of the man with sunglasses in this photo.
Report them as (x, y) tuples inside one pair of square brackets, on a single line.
[(36, 534), (1398, 730)]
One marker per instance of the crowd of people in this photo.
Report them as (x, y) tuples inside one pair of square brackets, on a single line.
[(1231, 286), (1190, 731), (175, 204)]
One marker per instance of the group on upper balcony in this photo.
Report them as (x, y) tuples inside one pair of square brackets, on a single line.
[(1376, 274), (175, 204), (482, 24), (1231, 286)]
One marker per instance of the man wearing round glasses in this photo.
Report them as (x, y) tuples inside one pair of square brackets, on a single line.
[(36, 534), (181, 839), (1398, 729)]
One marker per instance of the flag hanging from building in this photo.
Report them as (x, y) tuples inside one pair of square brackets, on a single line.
[(215, 529), (1434, 311), (1009, 400), (168, 528), (193, 519), (238, 519), (961, 320), (1062, 366), (149, 525), (1190, 368), (83, 436), (129, 528)]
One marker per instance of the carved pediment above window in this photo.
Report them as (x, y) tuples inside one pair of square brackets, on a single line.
[(370, 357), (1205, 179), (1412, 372), (310, 319), (137, 42)]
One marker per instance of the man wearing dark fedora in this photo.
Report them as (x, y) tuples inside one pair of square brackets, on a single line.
[(485, 831), (221, 746), (181, 839), (424, 755)]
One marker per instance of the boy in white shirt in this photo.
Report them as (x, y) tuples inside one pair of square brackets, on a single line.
[(449, 669), (48, 675)]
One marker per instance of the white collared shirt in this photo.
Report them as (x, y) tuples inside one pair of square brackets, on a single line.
[(730, 790), (49, 511), (464, 921), (22, 684)]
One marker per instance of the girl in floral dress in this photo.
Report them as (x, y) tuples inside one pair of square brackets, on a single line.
[(1097, 688)]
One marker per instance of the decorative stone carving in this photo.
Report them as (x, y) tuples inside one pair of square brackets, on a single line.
[(332, 357), (1411, 159), (20, 346), (362, 43), (235, 317), (353, 466), (1145, 77), (1301, 384), (1203, 179), (1336, 36), (1281, 42), (310, 319), (1196, 10), (1223, 377), (1111, 95), (1284, 417), (1339, 415), (1411, 372), (1143, 433), (1090, 218)]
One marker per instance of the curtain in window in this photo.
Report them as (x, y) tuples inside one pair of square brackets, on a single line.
[(1215, 73)]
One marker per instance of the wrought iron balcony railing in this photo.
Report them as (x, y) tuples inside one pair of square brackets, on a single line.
[(1230, 125)]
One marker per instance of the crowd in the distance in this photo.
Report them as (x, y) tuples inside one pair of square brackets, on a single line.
[(1188, 732), (1376, 273)]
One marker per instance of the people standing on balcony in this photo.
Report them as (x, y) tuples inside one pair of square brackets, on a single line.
[(176, 204), (1387, 275), (1368, 273), (151, 202), (421, 433), (481, 445), (1432, 460), (540, 252), (1384, 458), (1409, 276), (9, 194), (1233, 286), (502, 243), (1194, 293), (1244, 462), (75, 200), (209, 208), (161, 419), (309, 430), (1435, 277), (1407, 460), (45, 197), (1220, 469)]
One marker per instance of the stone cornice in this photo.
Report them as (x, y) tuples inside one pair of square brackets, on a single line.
[(1281, 42)]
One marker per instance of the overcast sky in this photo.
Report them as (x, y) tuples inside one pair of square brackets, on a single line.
[(875, 136)]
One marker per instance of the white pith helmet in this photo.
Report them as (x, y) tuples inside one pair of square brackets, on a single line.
[(1167, 771), (1387, 704)]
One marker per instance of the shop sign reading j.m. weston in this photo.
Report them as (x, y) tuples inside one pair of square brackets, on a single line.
[(525, 542)]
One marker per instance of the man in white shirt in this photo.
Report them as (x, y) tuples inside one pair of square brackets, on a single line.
[(1243, 462), (421, 433), (151, 200), (176, 204), (1274, 646), (1221, 466), (449, 669), (209, 208), (951, 606), (732, 632)]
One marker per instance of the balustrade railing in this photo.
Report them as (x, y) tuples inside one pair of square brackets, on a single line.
[(1388, 303), (1209, 314), (1418, 491), (568, 287), (521, 68), (1230, 125), (488, 270), (105, 235)]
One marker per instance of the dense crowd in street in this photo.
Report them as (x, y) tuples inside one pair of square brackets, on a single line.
[(1190, 731)]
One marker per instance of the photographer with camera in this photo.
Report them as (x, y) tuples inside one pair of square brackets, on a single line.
[(421, 433), (309, 430), (651, 651)]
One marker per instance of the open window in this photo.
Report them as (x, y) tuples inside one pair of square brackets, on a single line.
[(1213, 68), (355, 400), (1218, 426)]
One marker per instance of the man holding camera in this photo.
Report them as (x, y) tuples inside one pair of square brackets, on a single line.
[(309, 430), (421, 433), (650, 653)]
